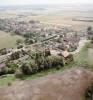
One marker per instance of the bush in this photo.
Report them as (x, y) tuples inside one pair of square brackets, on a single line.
[(3, 51), (19, 41), (47, 52), (49, 60), (69, 59), (34, 66), (40, 62), (29, 68), (26, 68), (19, 46), (29, 41), (29, 35), (9, 84), (11, 67), (15, 55), (3, 71), (89, 93), (54, 61), (58, 61), (58, 67), (18, 74)]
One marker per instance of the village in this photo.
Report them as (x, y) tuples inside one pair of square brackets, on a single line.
[(40, 39)]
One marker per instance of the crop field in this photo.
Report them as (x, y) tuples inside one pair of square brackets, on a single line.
[(63, 18), (7, 40)]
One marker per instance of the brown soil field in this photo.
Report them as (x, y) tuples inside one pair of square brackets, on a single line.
[(67, 85)]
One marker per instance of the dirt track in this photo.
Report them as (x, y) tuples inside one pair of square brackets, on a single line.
[(68, 85)]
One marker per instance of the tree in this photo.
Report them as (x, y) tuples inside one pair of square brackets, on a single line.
[(11, 67), (54, 61), (89, 30), (29, 35), (29, 41), (26, 68), (90, 33), (40, 62), (47, 52), (3, 51), (15, 55), (34, 66)]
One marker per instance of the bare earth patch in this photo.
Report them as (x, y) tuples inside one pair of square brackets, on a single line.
[(68, 85)]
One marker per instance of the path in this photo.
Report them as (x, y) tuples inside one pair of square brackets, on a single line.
[(81, 45)]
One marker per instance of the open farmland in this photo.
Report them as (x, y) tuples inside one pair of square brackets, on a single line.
[(63, 18), (7, 40)]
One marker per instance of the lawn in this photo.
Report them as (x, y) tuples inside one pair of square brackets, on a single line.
[(83, 57), (5, 80), (7, 40)]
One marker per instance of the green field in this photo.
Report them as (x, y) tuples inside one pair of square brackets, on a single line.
[(84, 56), (6, 80), (7, 40)]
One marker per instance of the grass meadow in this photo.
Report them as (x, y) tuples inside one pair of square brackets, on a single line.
[(7, 40)]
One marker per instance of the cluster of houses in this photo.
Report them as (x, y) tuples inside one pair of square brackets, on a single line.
[(34, 27), (54, 46), (55, 39), (66, 41)]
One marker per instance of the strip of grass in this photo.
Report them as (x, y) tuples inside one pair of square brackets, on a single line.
[(81, 58), (6, 80)]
